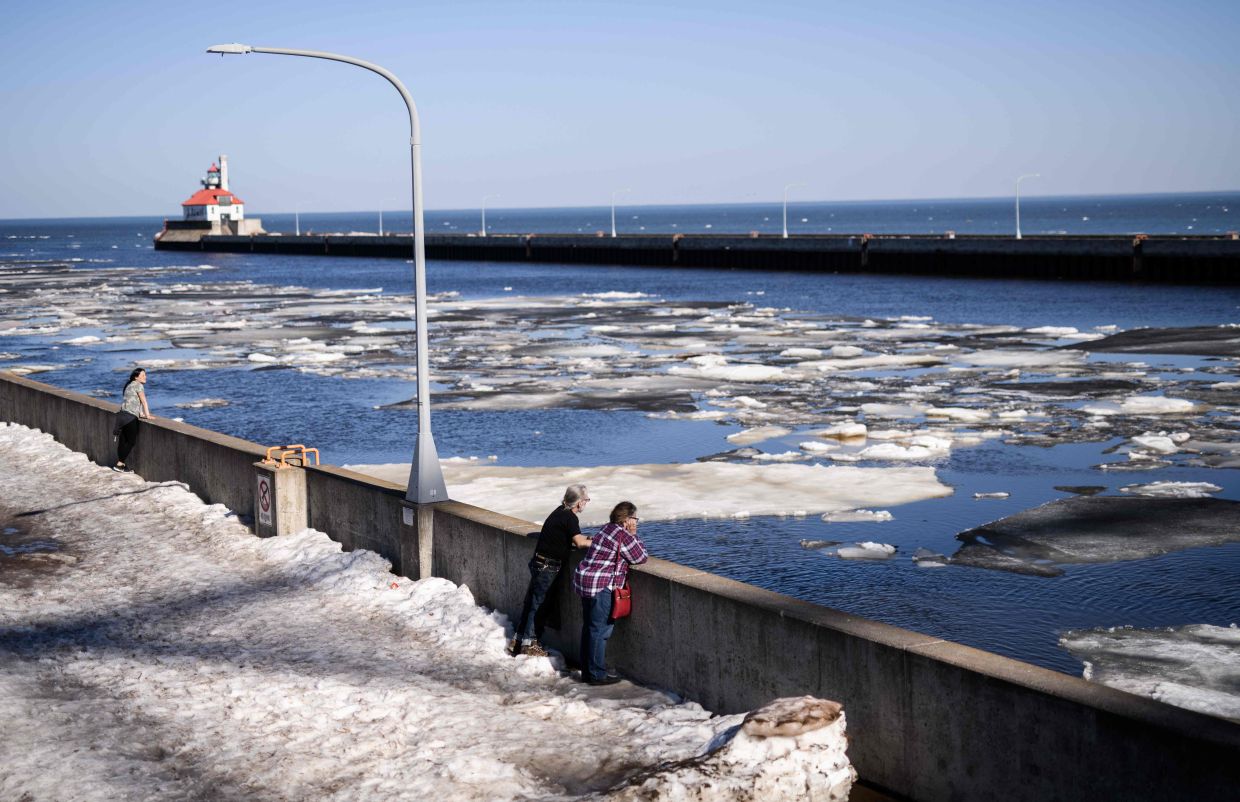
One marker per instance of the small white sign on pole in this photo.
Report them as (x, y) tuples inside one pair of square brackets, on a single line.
[(266, 499)]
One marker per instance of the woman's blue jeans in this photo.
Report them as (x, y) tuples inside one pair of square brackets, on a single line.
[(596, 628)]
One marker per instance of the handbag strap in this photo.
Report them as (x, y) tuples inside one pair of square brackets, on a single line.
[(620, 556)]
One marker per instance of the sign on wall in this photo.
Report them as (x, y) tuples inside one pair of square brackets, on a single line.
[(266, 498)]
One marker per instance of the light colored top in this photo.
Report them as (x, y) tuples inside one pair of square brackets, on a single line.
[(133, 399)]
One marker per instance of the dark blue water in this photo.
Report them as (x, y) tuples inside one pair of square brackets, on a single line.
[(1015, 615)]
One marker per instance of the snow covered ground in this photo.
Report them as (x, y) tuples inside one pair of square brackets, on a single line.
[(151, 648)]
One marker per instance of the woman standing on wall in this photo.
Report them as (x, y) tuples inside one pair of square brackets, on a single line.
[(605, 568), (133, 407)]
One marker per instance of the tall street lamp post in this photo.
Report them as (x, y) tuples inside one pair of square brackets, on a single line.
[(1018, 180), (483, 232), (613, 209), (426, 483), (786, 188)]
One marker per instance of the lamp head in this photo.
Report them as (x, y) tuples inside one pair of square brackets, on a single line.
[(227, 49)]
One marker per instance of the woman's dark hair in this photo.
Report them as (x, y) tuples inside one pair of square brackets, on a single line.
[(622, 512), (133, 374)]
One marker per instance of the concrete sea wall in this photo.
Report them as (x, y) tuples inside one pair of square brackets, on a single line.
[(1205, 260), (927, 719)]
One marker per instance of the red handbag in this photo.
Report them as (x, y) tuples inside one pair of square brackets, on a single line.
[(622, 597), (621, 602)]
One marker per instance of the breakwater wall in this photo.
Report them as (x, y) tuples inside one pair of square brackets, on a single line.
[(1206, 260), (927, 719)]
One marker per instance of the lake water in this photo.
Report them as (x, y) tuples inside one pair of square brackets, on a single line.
[(347, 415)]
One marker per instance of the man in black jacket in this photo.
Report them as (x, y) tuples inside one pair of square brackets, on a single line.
[(560, 533)]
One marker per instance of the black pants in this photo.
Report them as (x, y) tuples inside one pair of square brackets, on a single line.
[(127, 438)]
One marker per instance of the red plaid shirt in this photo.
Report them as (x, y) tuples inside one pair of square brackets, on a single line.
[(599, 570)]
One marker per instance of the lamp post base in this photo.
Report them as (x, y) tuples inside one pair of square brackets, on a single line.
[(426, 484)]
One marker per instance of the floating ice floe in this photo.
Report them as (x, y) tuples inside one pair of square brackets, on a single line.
[(842, 431), (996, 495), (758, 434), (1192, 666), (1097, 529), (1155, 442), (872, 362), (818, 544), (866, 550), (857, 516), (1143, 405), (925, 558), (893, 411), (715, 366), (817, 447), (919, 448), (801, 353), (26, 370), (958, 413), (669, 492), (203, 403), (784, 456), (1019, 359), (1054, 331), (1173, 489)]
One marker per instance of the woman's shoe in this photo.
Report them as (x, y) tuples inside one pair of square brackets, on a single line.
[(610, 679)]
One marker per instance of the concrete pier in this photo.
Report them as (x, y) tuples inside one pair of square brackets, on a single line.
[(1163, 259)]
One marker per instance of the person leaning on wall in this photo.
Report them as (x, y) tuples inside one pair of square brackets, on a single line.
[(604, 569), (560, 533), (133, 407)]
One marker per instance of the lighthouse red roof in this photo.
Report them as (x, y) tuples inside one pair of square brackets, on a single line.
[(211, 197)]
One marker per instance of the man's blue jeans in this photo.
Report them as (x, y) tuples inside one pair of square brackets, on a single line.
[(542, 575), (596, 628)]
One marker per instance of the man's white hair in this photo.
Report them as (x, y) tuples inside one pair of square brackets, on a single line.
[(573, 494)]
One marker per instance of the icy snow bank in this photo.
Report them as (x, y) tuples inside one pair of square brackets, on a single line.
[(181, 654), (792, 748)]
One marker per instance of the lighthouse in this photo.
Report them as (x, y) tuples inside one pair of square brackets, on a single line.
[(216, 204)]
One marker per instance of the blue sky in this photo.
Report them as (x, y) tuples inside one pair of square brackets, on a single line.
[(115, 108)]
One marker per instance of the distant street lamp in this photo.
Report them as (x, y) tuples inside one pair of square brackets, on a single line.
[(426, 483), (385, 200), (613, 209), (1018, 180), (786, 188), (483, 232)]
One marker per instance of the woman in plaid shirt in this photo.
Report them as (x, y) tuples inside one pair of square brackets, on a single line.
[(604, 568)]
